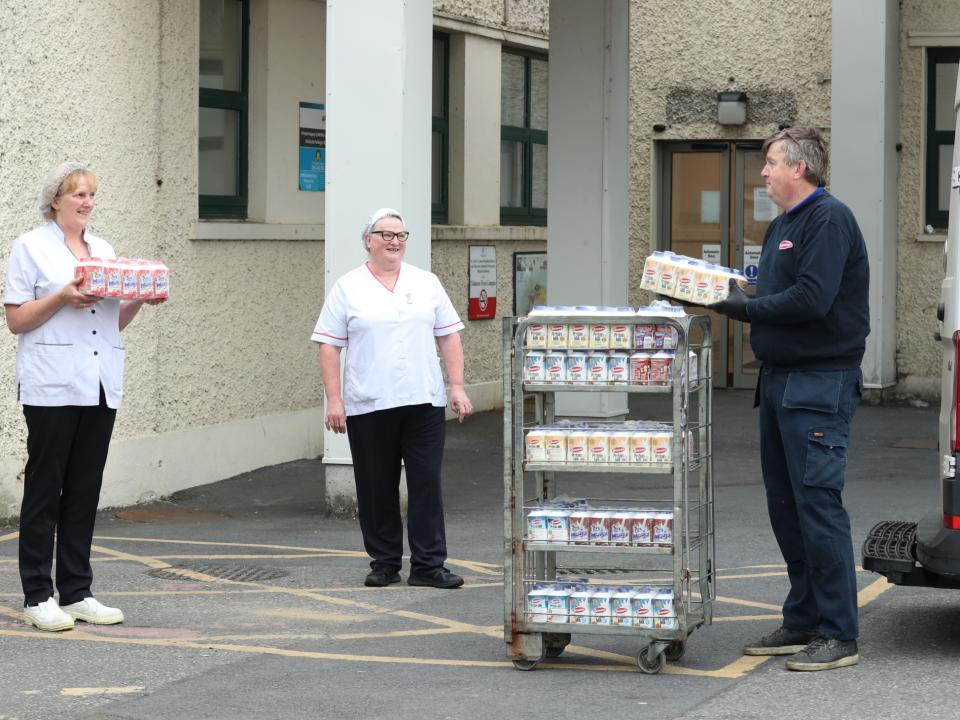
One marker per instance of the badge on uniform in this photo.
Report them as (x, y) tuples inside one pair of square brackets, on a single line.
[(409, 297)]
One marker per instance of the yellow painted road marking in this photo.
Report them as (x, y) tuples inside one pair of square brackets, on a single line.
[(9, 536), (734, 670), (85, 692), (744, 618), (872, 591), (747, 603)]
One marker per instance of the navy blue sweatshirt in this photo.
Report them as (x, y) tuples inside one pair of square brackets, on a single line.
[(811, 307)]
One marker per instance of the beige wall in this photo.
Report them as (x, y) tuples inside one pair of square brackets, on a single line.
[(920, 263), (765, 48)]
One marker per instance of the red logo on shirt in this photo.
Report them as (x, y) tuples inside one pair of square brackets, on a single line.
[(785, 244)]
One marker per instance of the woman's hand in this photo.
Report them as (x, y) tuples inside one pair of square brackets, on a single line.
[(460, 403), (336, 417), (71, 295)]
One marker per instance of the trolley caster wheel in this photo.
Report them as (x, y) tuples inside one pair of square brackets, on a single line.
[(675, 650), (524, 664), (649, 665), (555, 643)]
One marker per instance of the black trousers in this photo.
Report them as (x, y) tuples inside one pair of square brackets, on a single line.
[(379, 440), (66, 453)]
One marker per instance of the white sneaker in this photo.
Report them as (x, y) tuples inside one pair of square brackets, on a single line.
[(93, 611), (47, 616)]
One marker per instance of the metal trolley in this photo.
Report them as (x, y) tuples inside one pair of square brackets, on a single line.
[(685, 565)]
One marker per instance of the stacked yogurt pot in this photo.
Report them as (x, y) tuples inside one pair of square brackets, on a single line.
[(688, 279), (582, 603), (123, 278)]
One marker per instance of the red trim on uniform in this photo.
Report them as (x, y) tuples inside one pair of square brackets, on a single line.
[(444, 327), (951, 522), (331, 336), (389, 289)]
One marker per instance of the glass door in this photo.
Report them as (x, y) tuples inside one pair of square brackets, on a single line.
[(714, 207), (695, 219)]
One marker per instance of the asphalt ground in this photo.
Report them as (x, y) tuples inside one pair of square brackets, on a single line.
[(243, 599)]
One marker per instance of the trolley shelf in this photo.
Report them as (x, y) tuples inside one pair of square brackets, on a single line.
[(673, 585), (603, 549), (623, 468)]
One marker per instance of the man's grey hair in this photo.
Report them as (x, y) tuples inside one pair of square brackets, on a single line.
[(807, 144), (376, 217)]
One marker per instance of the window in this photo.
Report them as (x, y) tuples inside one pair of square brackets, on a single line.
[(222, 171), (523, 139), (941, 125), (440, 137)]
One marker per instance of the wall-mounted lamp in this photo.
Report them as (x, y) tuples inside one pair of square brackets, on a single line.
[(732, 108)]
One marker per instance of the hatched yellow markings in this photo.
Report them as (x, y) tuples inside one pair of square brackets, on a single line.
[(10, 536), (734, 670), (88, 691), (747, 603), (11, 613), (483, 568), (745, 618)]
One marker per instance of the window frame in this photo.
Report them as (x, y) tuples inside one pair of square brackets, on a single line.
[(234, 207), (528, 137), (441, 124), (933, 216)]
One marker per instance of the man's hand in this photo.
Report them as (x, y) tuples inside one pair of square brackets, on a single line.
[(735, 306)]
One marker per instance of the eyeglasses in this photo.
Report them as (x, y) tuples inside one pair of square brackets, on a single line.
[(388, 236), (790, 135)]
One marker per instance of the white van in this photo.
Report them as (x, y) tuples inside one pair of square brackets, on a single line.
[(928, 553)]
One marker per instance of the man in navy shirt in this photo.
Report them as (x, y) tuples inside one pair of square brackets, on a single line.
[(808, 325)]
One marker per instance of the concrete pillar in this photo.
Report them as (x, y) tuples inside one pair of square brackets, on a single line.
[(588, 182), (864, 162), (474, 109), (378, 133)]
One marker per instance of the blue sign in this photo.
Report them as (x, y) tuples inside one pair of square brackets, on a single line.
[(750, 271), (313, 147)]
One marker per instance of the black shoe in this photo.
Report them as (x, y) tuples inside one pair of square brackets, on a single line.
[(438, 577), (381, 577), (825, 653), (782, 641)]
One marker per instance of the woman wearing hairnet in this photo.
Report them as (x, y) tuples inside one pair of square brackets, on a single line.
[(70, 382), (391, 317)]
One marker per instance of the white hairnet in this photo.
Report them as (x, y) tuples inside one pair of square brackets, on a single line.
[(52, 182), (376, 217)]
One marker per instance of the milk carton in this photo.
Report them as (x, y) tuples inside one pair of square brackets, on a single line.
[(642, 604), (558, 604), (537, 609), (600, 607), (651, 271), (578, 446), (536, 446), (598, 444), (579, 605), (580, 526), (558, 525), (621, 606), (576, 368), (664, 613), (537, 525), (534, 370)]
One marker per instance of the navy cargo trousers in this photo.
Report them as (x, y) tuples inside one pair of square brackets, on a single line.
[(804, 431)]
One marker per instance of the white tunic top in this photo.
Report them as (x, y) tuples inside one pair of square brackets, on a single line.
[(65, 360), (391, 357)]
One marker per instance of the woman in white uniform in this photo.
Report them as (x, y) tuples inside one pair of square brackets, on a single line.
[(70, 382), (391, 317)]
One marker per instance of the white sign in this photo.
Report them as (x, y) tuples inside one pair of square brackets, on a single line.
[(751, 262), (955, 178), (483, 283), (711, 253), (764, 209), (709, 207)]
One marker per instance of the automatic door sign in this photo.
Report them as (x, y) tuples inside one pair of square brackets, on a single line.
[(955, 177), (483, 283)]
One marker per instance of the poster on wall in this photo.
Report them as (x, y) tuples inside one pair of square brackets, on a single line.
[(483, 283), (313, 147), (529, 281)]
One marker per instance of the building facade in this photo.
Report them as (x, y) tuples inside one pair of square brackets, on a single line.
[(207, 122)]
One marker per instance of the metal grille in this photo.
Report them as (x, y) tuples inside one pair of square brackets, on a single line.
[(221, 571)]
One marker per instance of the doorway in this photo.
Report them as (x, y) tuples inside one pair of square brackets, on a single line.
[(714, 207)]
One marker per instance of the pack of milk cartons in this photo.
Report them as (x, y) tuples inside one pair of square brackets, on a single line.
[(688, 279)]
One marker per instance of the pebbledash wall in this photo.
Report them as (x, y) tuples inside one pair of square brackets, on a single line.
[(223, 379)]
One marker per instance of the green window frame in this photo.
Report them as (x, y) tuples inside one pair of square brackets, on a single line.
[(525, 143), (940, 135), (231, 103), (440, 132)]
